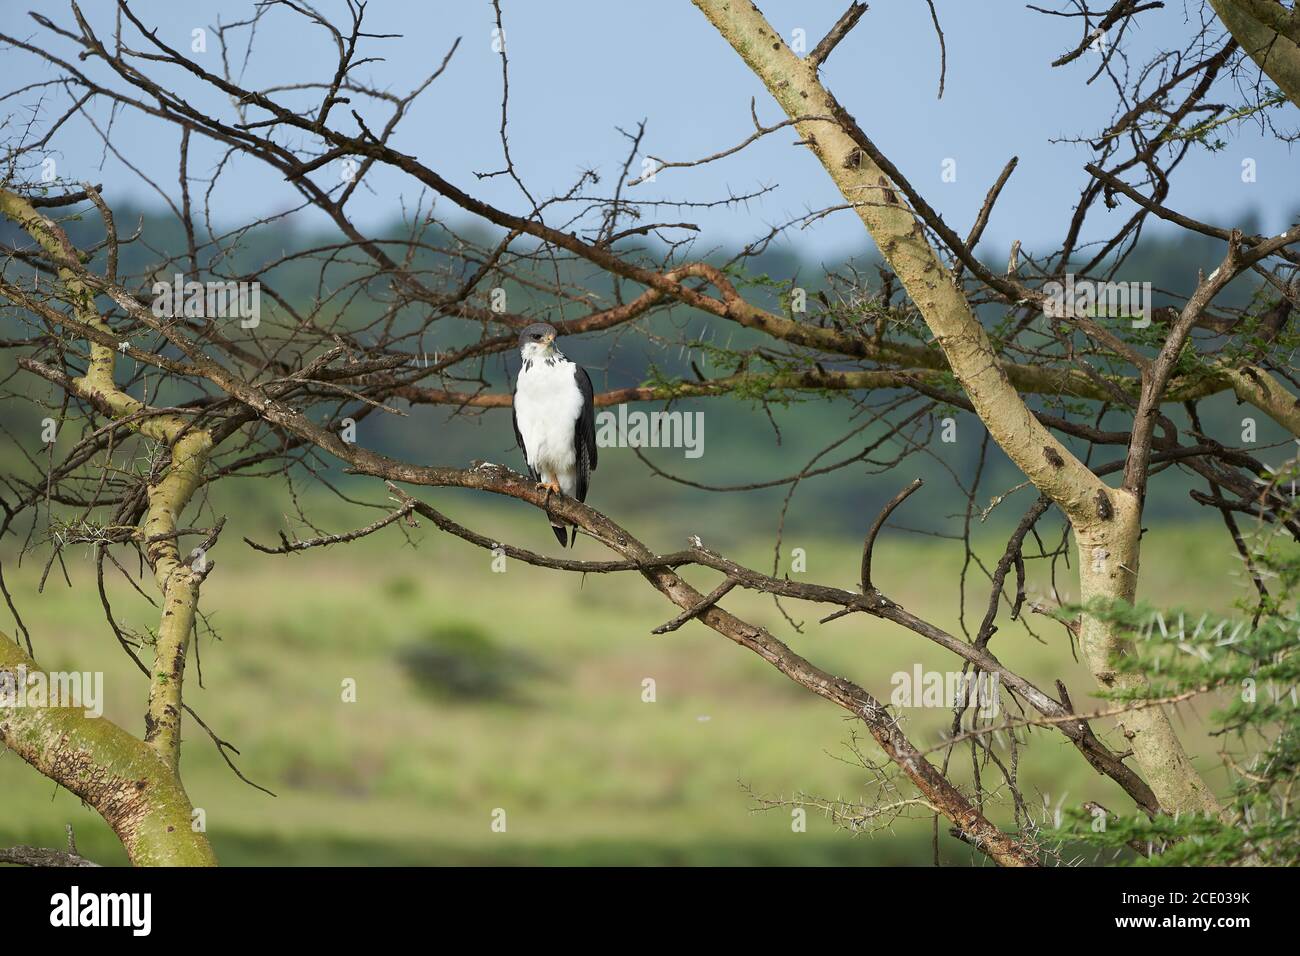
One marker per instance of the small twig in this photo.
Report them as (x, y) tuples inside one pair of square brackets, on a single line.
[(43, 856), (1079, 720), (65, 200), (288, 547), (837, 33), (982, 220), (711, 599), (1121, 10), (759, 132), (879, 523), (943, 48)]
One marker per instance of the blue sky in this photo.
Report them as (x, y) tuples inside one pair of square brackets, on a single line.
[(581, 69)]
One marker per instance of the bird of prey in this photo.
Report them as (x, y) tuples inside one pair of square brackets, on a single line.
[(555, 423)]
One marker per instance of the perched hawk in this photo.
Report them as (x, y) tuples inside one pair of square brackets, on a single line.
[(555, 423)]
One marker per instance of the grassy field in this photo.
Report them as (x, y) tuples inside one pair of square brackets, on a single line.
[(522, 691)]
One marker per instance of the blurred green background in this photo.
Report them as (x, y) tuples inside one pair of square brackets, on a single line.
[(521, 691)]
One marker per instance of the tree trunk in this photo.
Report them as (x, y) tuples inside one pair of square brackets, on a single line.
[(127, 782), (1276, 55), (1108, 570), (834, 138)]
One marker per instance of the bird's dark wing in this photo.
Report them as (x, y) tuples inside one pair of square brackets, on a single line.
[(584, 432), (519, 439)]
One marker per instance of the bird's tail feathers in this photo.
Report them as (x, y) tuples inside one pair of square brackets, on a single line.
[(562, 534)]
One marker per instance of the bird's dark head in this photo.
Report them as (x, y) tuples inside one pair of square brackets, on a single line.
[(537, 340)]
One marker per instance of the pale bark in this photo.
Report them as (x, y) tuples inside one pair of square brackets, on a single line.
[(1108, 570), (1259, 388), (167, 498), (127, 782), (1277, 55)]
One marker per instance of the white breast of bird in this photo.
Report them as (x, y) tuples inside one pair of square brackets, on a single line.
[(547, 404)]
